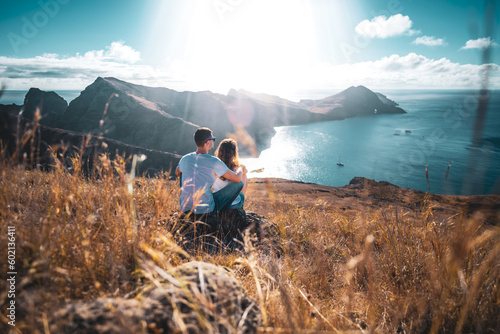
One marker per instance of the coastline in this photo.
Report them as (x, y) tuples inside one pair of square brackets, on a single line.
[(441, 125), (406, 168)]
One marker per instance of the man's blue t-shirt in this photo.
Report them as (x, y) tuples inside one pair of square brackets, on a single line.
[(199, 172)]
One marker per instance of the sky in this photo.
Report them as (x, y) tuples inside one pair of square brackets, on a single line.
[(267, 46)]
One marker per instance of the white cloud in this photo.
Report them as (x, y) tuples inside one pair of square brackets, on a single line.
[(383, 27), (410, 71), (121, 52), (480, 43), (117, 51), (51, 71), (50, 55), (429, 41)]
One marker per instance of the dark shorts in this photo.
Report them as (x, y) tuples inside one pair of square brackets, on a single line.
[(224, 197)]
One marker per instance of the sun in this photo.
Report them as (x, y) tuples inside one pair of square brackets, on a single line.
[(254, 45)]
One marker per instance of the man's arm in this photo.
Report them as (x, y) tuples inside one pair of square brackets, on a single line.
[(178, 171), (235, 177)]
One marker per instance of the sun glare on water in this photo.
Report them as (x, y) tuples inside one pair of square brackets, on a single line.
[(283, 159), (254, 45)]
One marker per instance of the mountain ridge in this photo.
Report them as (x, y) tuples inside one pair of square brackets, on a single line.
[(162, 119)]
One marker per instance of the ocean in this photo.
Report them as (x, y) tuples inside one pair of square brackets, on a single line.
[(435, 134)]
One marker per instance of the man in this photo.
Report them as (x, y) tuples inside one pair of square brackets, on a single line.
[(198, 171)]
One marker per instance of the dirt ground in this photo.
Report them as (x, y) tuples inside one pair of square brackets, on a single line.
[(363, 196)]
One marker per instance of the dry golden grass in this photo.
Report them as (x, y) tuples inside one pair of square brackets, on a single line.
[(80, 238)]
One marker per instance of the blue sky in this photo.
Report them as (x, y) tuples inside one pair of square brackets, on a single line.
[(272, 46)]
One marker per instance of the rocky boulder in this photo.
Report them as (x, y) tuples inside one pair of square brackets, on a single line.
[(229, 231), (195, 297)]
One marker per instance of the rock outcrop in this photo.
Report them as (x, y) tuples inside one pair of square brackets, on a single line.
[(195, 297), (354, 101), (13, 109), (51, 106)]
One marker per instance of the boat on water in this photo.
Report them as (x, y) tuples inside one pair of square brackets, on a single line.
[(398, 132), (340, 163)]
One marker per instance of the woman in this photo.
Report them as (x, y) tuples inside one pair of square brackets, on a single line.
[(228, 153)]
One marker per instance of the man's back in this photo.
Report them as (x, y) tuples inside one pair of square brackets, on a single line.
[(199, 171)]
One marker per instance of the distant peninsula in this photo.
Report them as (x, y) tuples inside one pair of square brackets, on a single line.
[(135, 118)]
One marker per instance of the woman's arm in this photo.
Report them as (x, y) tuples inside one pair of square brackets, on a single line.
[(243, 169)]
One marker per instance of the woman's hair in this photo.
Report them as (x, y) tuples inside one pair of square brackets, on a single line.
[(228, 153)]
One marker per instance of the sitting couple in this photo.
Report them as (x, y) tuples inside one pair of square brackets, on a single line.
[(199, 171)]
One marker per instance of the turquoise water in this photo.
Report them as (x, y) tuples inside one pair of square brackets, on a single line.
[(440, 125)]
